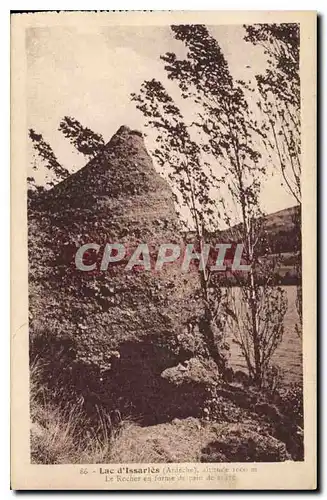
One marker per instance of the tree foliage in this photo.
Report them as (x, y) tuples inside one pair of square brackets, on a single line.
[(279, 88), (226, 120), (192, 180), (280, 102), (49, 159), (230, 133), (179, 155), (86, 141)]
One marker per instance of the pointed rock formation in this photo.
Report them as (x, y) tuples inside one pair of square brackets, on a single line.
[(96, 318)]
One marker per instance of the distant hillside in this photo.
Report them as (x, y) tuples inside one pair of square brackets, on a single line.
[(279, 240), (284, 230), (281, 234)]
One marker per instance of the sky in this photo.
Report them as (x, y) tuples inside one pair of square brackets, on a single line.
[(90, 75)]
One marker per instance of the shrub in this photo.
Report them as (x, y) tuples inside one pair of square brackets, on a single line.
[(291, 403), (62, 434)]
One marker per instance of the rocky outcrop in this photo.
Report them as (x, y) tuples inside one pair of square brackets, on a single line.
[(240, 443), (96, 323), (193, 440)]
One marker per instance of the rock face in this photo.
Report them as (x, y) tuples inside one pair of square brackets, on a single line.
[(239, 443), (192, 440), (114, 324)]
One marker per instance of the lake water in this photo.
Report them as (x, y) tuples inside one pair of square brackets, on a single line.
[(289, 353)]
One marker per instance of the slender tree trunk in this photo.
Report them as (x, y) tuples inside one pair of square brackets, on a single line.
[(207, 325), (207, 329), (252, 302)]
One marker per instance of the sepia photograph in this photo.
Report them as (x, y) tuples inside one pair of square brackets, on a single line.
[(165, 192)]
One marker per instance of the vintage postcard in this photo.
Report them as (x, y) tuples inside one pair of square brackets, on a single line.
[(163, 243)]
